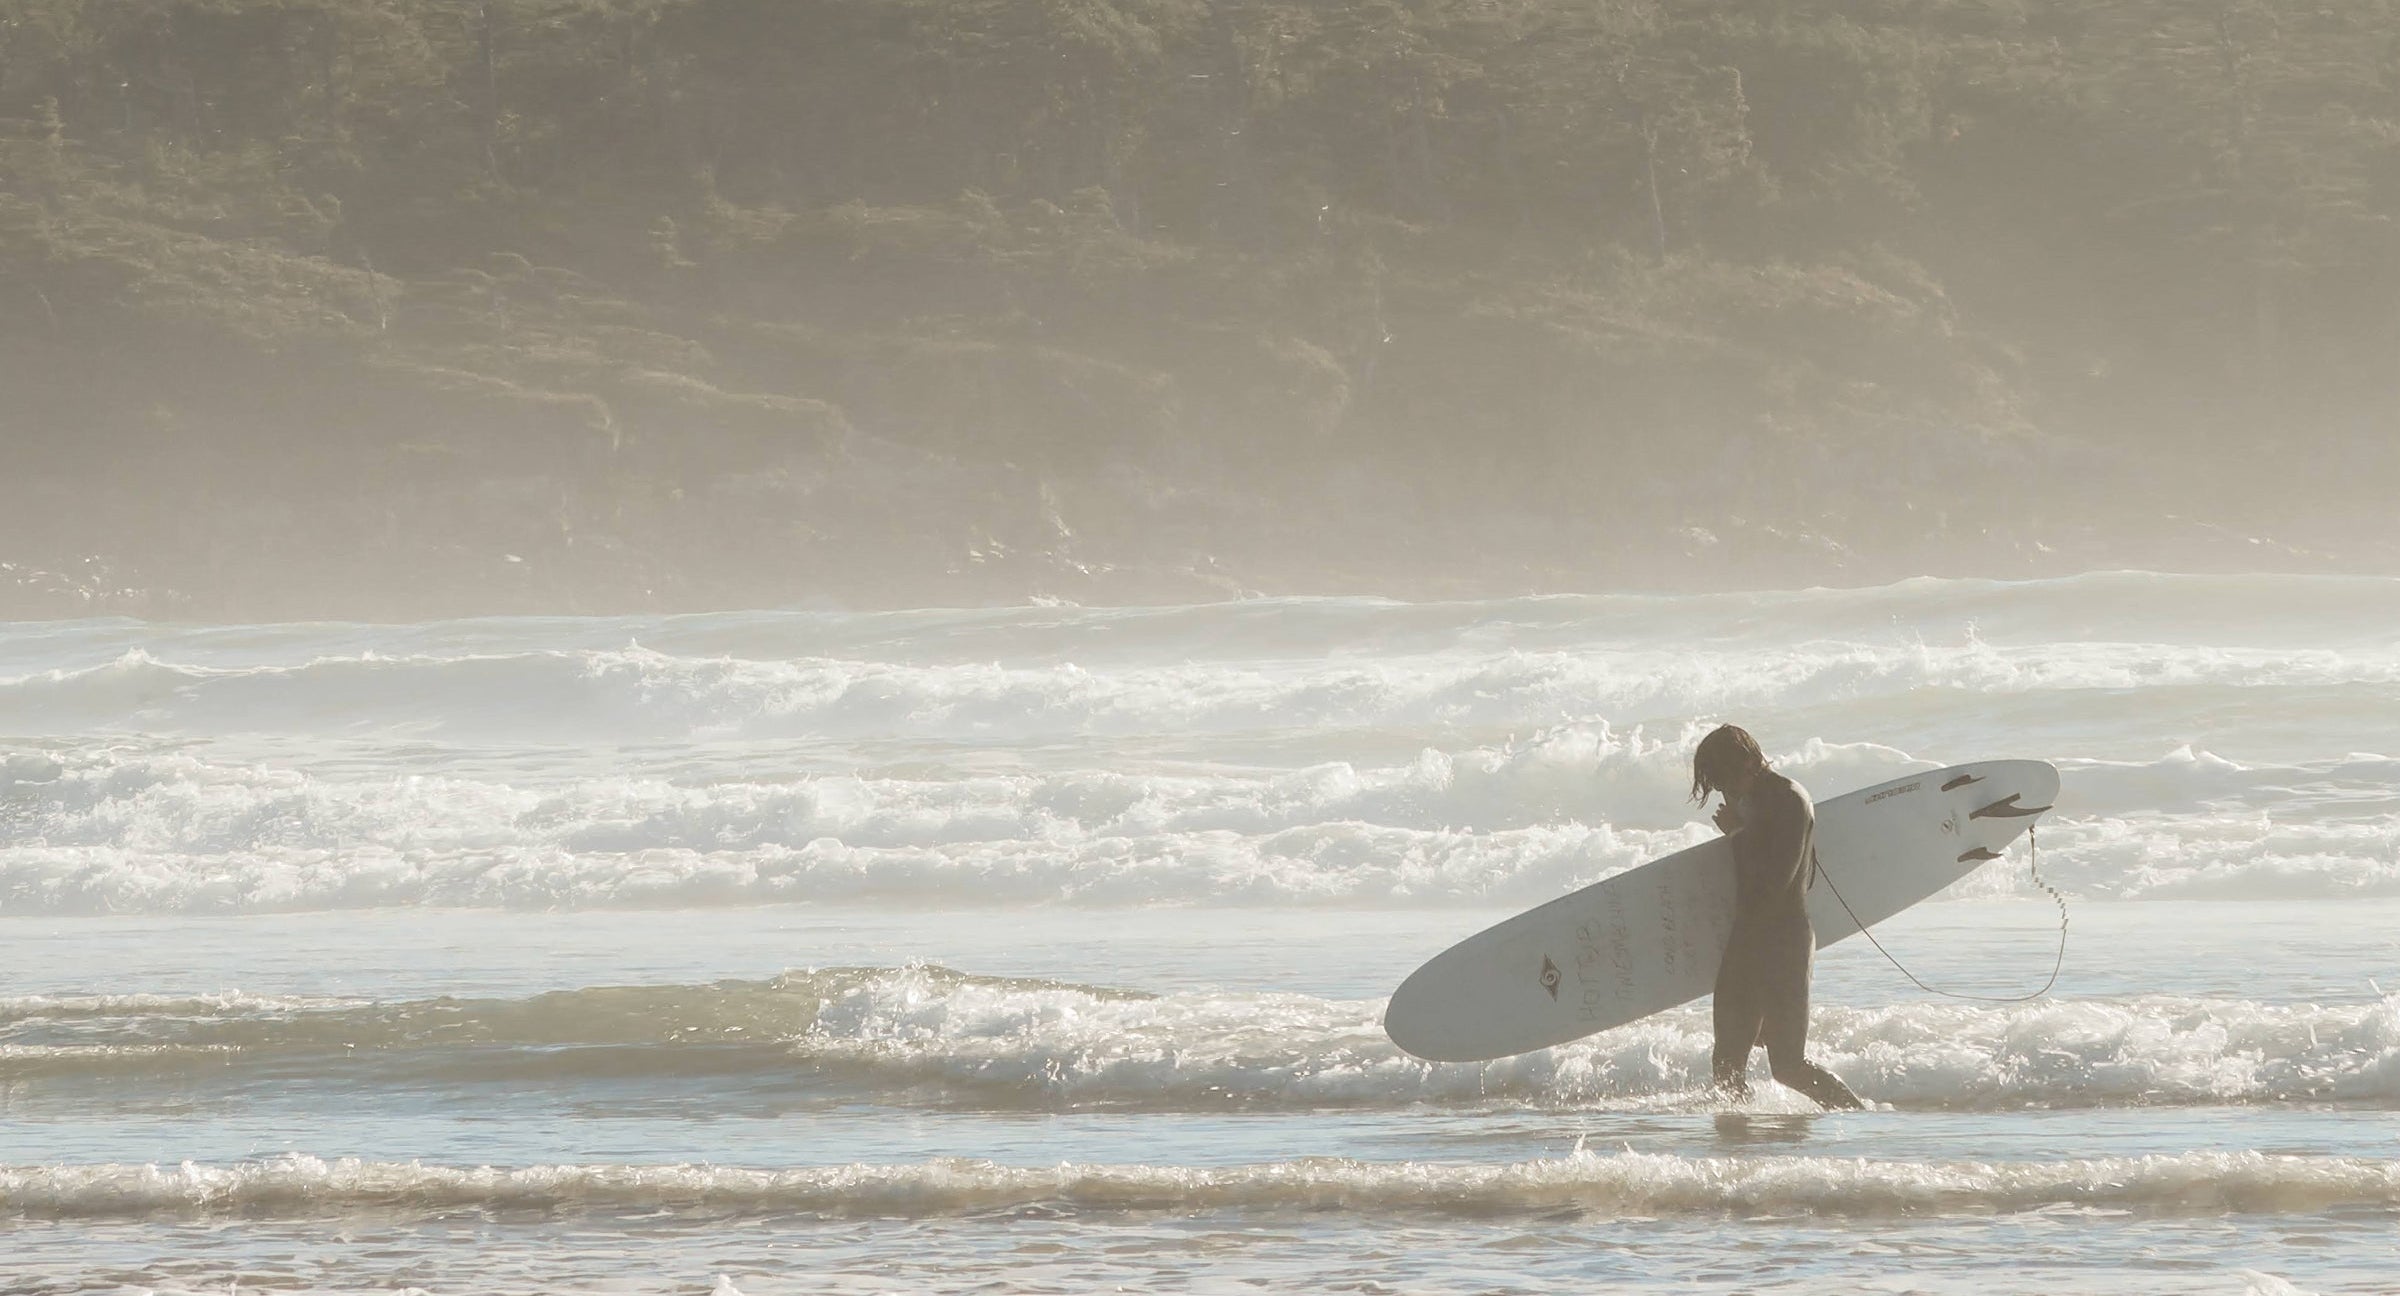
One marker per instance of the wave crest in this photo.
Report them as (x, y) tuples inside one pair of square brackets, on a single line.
[(929, 1036), (1621, 1184)]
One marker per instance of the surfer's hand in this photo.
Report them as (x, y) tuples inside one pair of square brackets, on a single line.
[(1728, 819)]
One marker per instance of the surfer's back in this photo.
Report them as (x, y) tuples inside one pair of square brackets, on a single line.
[(1771, 851)]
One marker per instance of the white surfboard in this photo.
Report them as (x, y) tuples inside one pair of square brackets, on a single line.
[(1650, 938)]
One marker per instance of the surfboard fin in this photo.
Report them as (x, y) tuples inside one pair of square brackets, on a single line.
[(1978, 855), (1959, 782), (2007, 808)]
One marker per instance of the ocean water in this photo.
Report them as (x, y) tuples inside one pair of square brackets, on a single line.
[(1043, 949)]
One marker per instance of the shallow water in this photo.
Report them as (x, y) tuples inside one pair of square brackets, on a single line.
[(1043, 949)]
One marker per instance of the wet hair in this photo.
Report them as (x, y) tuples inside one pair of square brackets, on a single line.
[(1726, 750)]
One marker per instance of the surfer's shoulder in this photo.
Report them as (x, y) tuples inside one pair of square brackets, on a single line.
[(1785, 792)]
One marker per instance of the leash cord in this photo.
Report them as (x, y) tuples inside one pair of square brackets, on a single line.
[(2034, 863)]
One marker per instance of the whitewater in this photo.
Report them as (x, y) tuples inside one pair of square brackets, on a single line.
[(1043, 949)]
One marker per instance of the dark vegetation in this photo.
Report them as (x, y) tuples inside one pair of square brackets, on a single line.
[(398, 307)]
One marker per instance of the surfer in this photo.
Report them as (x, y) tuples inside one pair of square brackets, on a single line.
[(1762, 986)]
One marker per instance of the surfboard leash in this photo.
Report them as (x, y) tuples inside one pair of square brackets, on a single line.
[(2033, 849)]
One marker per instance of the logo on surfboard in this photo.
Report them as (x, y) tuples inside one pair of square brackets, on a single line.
[(1550, 976)]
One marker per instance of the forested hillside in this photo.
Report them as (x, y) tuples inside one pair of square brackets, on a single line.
[(401, 307)]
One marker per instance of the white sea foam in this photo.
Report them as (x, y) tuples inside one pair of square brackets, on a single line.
[(1055, 1046), (1604, 1185), (100, 828), (641, 694), (1293, 751)]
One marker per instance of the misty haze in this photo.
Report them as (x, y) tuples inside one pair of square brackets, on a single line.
[(760, 647), (392, 309)]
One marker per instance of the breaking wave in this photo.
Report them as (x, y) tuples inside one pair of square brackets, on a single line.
[(931, 1037), (104, 829), (635, 693), (2218, 737)]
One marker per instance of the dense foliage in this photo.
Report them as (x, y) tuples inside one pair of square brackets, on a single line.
[(390, 306)]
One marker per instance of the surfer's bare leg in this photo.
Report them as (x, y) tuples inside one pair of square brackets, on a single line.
[(1786, 1004), (1739, 1020), (1818, 1084)]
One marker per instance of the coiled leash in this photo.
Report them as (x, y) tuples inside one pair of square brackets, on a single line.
[(2033, 862)]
